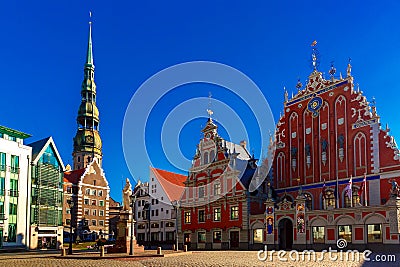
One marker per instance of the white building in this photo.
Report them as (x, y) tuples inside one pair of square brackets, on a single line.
[(154, 213), (15, 187)]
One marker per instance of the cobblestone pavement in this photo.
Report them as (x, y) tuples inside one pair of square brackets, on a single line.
[(197, 259)]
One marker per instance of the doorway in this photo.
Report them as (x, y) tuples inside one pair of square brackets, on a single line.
[(234, 239), (285, 234)]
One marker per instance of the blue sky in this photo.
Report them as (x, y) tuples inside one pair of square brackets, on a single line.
[(43, 46)]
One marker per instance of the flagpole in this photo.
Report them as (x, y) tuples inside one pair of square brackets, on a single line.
[(337, 191), (351, 191), (365, 190)]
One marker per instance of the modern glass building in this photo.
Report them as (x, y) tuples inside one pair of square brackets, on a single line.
[(46, 195)]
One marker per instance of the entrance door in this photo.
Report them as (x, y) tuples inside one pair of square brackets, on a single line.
[(234, 239), (186, 240), (285, 234)]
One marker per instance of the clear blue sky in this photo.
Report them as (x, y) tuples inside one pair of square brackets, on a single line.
[(43, 46)]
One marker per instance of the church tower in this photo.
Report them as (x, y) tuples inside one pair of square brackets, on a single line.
[(87, 141)]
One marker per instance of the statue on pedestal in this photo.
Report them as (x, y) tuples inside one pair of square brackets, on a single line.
[(126, 193)]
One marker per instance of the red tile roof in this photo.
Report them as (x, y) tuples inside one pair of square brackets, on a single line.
[(173, 183), (73, 176)]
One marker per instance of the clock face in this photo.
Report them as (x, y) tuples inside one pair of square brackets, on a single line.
[(89, 139)]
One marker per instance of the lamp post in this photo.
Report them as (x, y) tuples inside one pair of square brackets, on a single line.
[(133, 200), (71, 206), (176, 204)]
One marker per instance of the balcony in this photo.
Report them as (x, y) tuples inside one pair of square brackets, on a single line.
[(13, 193)]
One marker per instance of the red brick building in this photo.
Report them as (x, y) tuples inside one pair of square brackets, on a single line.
[(216, 205), (328, 134)]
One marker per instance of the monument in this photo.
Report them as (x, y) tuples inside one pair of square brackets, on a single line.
[(123, 240)]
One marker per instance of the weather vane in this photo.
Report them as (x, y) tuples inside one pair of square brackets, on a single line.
[(314, 55), (209, 111)]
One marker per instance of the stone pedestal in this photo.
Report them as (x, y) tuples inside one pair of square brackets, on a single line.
[(123, 240)]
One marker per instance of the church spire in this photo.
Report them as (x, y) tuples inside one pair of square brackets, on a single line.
[(87, 141), (89, 55)]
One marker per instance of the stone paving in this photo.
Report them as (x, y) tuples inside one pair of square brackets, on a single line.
[(196, 259)]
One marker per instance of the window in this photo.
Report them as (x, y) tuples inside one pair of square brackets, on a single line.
[(69, 189), (68, 211), (152, 202), (86, 211), (13, 188), (201, 216), (155, 225), (87, 191), (94, 182), (101, 223), (345, 232), (167, 211), (169, 236), (257, 236), (356, 198), (94, 202), (141, 226), (100, 193), (234, 213), (329, 200), (169, 224), (2, 161), (101, 212), (205, 158), (187, 217), (318, 234), (156, 201), (162, 209), (94, 192), (14, 164), (308, 201), (139, 203), (2, 186), (212, 156), (152, 213), (217, 236), (374, 233), (217, 189), (13, 209), (101, 203), (94, 212), (154, 236), (201, 191), (156, 212), (12, 232), (68, 221), (201, 237), (217, 214), (94, 222), (86, 201)]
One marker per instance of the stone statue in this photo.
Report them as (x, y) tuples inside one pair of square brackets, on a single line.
[(126, 193), (395, 187)]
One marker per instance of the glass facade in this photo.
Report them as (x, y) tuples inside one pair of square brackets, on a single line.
[(47, 179)]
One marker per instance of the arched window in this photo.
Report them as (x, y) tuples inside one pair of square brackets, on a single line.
[(356, 198), (205, 158), (212, 156), (309, 203), (329, 201)]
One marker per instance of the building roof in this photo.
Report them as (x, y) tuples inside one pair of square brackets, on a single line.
[(235, 148), (13, 132), (172, 183), (73, 176), (40, 146)]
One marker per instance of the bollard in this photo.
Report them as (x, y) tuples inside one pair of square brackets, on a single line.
[(102, 251), (173, 247), (159, 251), (63, 252), (185, 248)]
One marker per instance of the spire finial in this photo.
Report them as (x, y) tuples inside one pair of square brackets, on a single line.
[(89, 55), (349, 68), (209, 111), (314, 55)]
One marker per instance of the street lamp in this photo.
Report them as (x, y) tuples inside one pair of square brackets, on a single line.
[(71, 206), (133, 200), (176, 205)]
